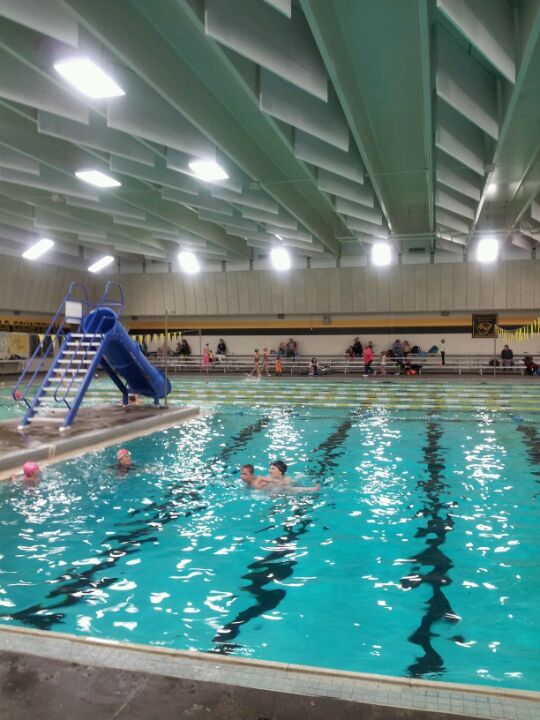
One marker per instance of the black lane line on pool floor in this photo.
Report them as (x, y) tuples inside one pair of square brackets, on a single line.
[(278, 564), (437, 607), (532, 442), (80, 584)]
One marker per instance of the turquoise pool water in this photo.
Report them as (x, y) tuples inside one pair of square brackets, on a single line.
[(417, 558)]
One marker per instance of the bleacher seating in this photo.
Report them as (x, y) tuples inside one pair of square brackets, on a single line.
[(338, 364)]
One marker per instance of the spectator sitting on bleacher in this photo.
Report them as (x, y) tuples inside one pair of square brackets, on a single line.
[(397, 359), (292, 348), (221, 347), (349, 353), (282, 350), (357, 347), (144, 347), (397, 349), (531, 368), (507, 356), (185, 349), (405, 348)]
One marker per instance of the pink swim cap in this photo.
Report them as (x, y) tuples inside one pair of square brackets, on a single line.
[(122, 453), (29, 468)]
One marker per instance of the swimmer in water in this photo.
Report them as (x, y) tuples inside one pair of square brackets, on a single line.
[(31, 474), (123, 460), (278, 479), (247, 475)]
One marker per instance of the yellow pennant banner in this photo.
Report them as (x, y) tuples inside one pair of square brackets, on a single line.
[(522, 334)]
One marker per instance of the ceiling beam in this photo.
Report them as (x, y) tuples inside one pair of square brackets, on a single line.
[(181, 64), (20, 134), (427, 94), (512, 128)]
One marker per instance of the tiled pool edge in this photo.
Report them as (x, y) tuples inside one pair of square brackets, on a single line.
[(424, 697), (66, 446)]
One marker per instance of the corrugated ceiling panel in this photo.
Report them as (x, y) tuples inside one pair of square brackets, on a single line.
[(14, 160), (315, 151), (462, 181), (492, 33), (466, 85), (303, 111), (458, 138), (96, 135), (347, 207), (142, 112), (444, 199), (281, 45), (20, 83), (336, 185), (45, 16)]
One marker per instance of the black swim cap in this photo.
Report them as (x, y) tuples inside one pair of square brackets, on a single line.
[(281, 466)]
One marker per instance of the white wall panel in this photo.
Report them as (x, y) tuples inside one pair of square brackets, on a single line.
[(499, 286), (513, 289), (512, 285), (473, 284)]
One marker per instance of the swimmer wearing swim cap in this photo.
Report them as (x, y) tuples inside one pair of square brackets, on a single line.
[(277, 473), (278, 479), (31, 473), (123, 460)]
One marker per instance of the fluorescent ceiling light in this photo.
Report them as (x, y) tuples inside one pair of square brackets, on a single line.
[(281, 259), (487, 249), (491, 189), (87, 77), (38, 249), (208, 170), (381, 253), (188, 262), (101, 263), (97, 178)]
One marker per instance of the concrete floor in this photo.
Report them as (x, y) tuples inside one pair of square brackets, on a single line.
[(33, 687)]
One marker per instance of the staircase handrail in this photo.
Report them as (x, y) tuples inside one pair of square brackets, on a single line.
[(17, 394), (105, 302)]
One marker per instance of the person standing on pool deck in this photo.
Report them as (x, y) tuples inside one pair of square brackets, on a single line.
[(368, 359), (206, 357), (256, 363)]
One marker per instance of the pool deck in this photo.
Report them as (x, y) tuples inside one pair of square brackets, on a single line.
[(95, 426), (67, 676)]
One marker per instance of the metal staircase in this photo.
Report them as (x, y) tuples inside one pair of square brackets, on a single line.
[(57, 398)]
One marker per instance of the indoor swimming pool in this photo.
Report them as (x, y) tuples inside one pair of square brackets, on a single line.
[(417, 558)]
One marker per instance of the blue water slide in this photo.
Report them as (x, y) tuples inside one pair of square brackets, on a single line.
[(123, 356)]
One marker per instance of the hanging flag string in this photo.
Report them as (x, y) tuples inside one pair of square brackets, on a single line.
[(521, 334)]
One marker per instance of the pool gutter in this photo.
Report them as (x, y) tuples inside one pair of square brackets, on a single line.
[(111, 679)]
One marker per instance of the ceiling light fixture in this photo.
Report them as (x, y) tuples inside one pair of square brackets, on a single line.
[(208, 170), (487, 249), (491, 189), (97, 178), (381, 254), (87, 77), (281, 259), (38, 249), (188, 262), (101, 263)]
